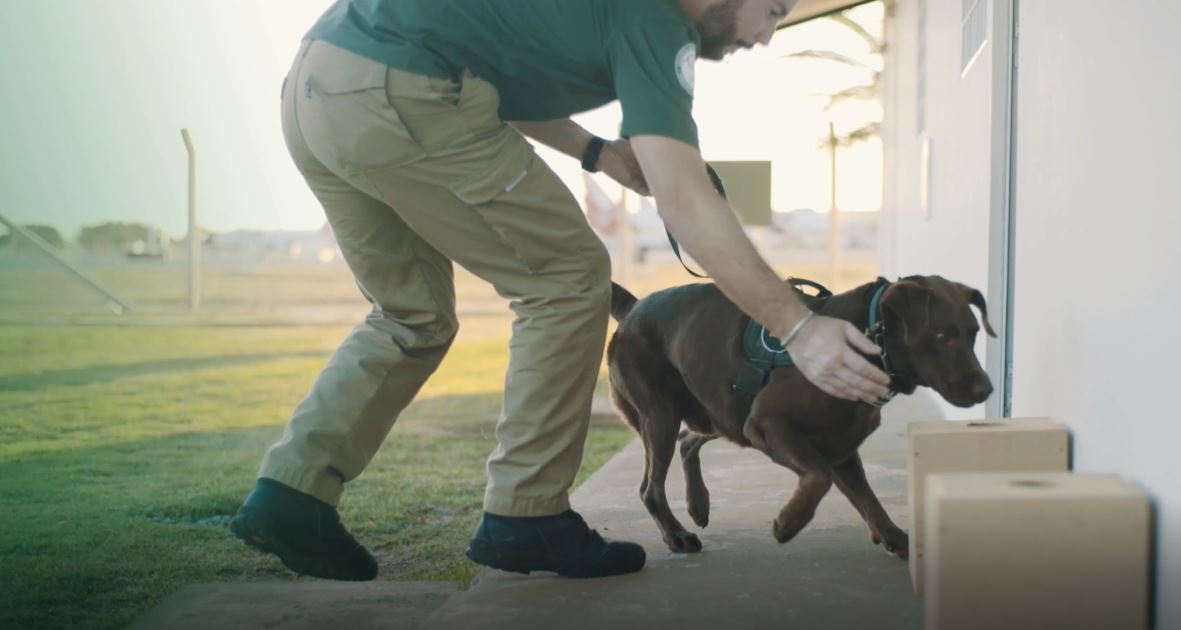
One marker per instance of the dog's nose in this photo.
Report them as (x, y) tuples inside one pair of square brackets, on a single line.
[(982, 390)]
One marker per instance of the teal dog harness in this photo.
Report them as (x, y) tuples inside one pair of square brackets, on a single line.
[(764, 353)]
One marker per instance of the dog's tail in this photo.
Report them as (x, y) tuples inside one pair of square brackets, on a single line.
[(622, 302)]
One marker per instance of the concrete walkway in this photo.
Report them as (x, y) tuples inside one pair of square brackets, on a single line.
[(305, 604), (830, 577)]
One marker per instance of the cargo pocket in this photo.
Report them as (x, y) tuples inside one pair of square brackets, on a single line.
[(429, 107), (480, 103), (498, 192), (344, 115)]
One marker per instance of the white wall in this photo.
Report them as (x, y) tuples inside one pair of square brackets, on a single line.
[(1097, 301), (953, 240), (1096, 229)]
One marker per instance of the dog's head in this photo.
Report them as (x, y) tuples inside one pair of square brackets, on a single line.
[(931, 336)]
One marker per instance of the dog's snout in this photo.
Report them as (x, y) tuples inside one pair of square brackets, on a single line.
[(981, 390)]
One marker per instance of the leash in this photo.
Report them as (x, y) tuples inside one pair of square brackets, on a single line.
[(721, 188)]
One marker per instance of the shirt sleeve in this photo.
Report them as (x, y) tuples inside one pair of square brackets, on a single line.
[(652, 66)]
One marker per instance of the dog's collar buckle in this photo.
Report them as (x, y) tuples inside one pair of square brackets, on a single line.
[(882, 400)]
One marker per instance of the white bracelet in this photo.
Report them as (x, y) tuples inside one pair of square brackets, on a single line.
[(796, 330)]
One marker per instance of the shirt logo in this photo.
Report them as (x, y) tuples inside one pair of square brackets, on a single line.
[(686, 58)]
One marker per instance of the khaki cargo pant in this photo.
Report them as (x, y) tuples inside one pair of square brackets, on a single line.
[(415, 172)]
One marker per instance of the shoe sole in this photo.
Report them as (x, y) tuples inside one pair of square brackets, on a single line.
[(297, 562), (517, 562), (526, 562)]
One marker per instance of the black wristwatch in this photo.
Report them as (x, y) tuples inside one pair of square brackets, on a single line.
[(590, 157)]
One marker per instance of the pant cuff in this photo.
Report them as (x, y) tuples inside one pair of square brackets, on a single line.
[(321, 484), (525, 506)]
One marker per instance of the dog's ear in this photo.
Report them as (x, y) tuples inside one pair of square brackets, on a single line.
[(975, 298), (907, 300)]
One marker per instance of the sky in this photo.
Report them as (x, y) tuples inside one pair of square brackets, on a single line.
[(95, 94)]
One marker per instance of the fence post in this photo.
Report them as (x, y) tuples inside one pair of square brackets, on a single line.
[(194, 239)]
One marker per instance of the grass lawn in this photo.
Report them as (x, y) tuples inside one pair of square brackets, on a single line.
[(123, 451), (125, 447)]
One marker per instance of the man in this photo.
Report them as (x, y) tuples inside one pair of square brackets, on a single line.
[(394, 112)]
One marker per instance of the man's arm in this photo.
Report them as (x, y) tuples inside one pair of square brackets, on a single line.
[(825, 349), (617, 160), (563, 135)]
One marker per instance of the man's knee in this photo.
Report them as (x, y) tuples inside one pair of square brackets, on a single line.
[(433, 330), (594, 284), (583, 277)]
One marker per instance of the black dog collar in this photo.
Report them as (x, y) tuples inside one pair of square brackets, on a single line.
[(877, 330)]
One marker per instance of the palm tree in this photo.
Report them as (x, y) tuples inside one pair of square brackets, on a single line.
[(870, 91), (870, 129)]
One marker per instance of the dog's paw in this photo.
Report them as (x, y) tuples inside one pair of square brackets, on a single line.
[(784, 532), (683, 542), (892, 540), (699, 508)]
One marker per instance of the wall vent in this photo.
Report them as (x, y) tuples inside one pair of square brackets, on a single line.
[(973, 31), (920, 83)]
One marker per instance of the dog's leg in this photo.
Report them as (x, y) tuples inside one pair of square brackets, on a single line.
[(660, 440), (647, 467), (642, 393), (696, 494), (632, 417), (849, 476), (787, 448)]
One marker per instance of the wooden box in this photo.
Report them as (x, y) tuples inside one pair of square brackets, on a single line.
[(1036, 550), (1027, 444)]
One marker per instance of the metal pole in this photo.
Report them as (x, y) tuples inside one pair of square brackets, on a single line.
[(834, 216), (118, 306), (627, 240), (627, 236), (194, 240)]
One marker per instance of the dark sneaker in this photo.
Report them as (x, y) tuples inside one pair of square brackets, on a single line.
[(303, 531), (562, 544)]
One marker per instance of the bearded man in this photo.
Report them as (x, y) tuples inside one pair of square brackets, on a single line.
[(408, 118)]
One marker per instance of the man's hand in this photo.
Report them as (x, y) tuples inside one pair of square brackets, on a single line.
[(827, 350), (618, 161), (829, 353)]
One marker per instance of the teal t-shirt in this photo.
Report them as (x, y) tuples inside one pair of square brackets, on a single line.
[(548, 59)]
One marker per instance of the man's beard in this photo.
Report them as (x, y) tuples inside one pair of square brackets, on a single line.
[(718, 29)]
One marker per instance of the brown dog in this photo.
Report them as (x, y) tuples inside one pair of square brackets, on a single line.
[(675, 353)]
